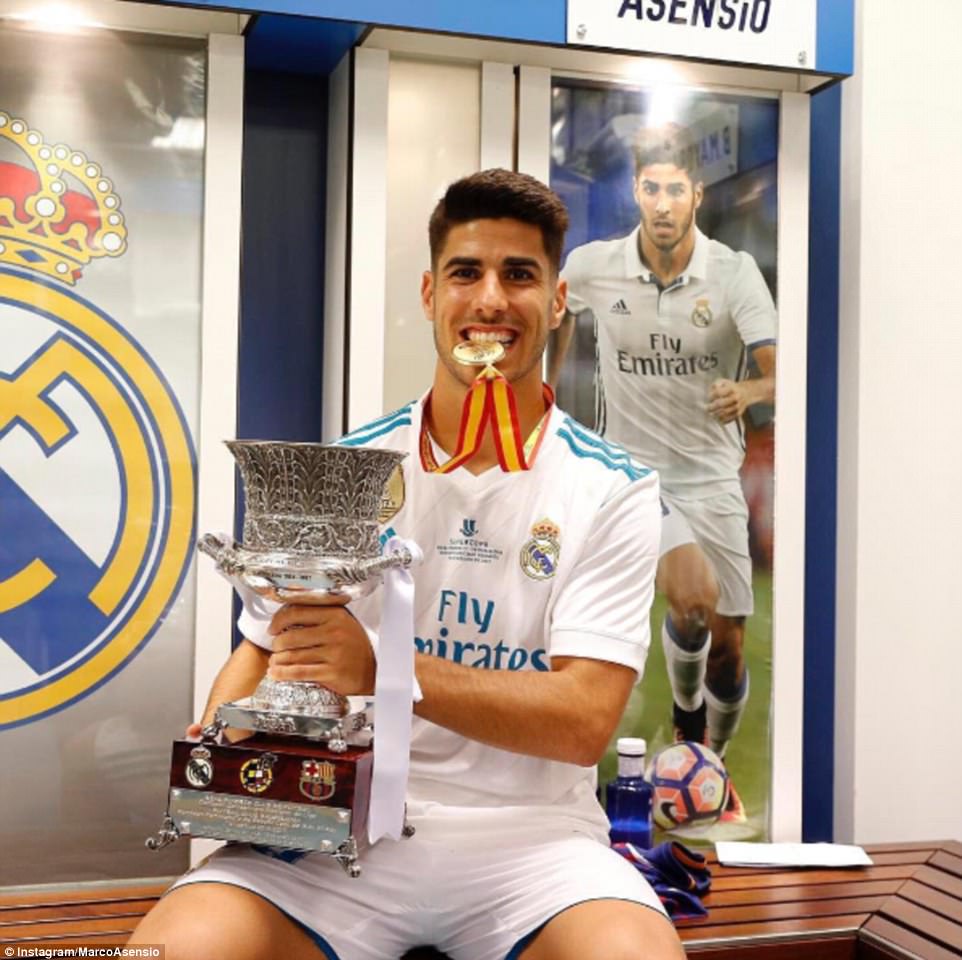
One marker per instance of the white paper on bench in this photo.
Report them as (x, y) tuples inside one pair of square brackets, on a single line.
[(739, 854)]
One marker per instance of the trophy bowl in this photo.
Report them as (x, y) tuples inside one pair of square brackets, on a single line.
[(310, 536), (310, 522)]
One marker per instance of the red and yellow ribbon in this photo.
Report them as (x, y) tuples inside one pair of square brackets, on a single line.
[(489, 400)]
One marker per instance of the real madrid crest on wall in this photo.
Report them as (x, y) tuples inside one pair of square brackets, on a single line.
[(539, 555), (89, 571)]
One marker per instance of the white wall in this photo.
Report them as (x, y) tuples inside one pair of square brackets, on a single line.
[(899, 689)]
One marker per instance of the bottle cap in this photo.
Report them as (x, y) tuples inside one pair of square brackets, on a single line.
[(632, 746)]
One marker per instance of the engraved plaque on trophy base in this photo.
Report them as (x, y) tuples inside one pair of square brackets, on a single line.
[(274, 823)]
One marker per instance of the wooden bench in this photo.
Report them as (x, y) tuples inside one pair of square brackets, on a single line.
[(908, 905)]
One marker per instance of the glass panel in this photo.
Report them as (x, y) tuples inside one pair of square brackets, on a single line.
[(101, 189), (671, 269), (434, 117)]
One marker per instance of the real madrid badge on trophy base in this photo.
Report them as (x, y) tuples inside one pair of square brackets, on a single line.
[(304, 780)]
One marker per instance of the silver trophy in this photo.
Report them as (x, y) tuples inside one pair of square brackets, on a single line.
[(310, 536), (304, 781)]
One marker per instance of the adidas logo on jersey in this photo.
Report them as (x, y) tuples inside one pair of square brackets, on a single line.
[(620, 309)]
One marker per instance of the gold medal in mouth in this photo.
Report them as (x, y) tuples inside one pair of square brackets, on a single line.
[(478, 353)]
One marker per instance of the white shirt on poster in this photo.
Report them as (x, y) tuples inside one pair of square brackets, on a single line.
[(659, 351)]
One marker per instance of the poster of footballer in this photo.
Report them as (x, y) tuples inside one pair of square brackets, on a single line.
[(668, 349)]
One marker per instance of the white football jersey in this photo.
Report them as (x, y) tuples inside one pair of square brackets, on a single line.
[(518, 568), (659, 351)]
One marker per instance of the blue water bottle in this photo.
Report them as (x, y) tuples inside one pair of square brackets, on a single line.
[(628, 797)]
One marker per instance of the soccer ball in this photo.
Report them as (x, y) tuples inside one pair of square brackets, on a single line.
[(689, 785)]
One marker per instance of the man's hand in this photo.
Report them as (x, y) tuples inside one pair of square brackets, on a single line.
[(324, 644), (567, 713), (195, 731), (728, 399)]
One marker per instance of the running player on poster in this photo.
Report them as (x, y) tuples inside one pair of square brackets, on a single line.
[(676, 316)]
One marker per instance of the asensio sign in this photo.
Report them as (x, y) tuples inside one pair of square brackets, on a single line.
[(778, 33), (96, 462)]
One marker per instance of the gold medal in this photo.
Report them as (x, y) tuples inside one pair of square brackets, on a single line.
[(489, 401), (478, 353)]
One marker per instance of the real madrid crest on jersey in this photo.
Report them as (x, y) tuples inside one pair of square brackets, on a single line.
[(539, 556), (96, 462), (702, 316)]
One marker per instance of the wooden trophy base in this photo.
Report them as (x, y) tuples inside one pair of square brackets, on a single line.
[(277, 791)]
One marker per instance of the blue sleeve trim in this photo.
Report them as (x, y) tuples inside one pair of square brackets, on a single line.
[(401, 411), (613, 451), (625, 467), (359, 441), (366, 434)]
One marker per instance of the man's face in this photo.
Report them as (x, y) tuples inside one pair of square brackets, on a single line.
[(493, 281), (668, 201)]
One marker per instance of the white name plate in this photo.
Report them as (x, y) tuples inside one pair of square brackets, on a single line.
[(777, 33), (733, 853)]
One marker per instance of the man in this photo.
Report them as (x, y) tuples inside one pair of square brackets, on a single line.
[(531, 618), (675, 314)]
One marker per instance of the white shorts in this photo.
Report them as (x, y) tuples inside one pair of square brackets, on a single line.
[(719, 525), (474, 901)]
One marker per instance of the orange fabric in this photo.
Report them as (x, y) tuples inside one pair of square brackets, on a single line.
[(489, 401)]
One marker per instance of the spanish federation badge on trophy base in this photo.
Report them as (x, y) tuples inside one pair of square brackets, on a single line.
[(303, 781)]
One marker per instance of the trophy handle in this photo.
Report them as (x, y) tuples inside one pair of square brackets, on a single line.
[(220, 549), (212, 732), (401, 556), (346, 856), (165, 836)]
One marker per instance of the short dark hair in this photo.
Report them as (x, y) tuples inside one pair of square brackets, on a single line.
[(500, 194), (664, 145)]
